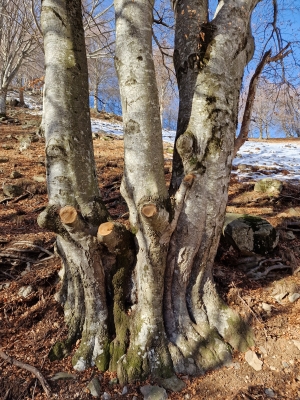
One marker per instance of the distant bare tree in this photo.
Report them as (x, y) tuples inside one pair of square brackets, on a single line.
[(287, 113), (272, 61), (165, 78), (19, 39)]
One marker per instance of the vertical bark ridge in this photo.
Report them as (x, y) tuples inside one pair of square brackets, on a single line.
[(192, 36)]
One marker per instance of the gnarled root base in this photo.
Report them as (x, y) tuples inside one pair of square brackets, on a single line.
[(188, 355)]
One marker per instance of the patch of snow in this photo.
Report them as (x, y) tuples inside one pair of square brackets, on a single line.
[(276, 158), (80, 365), (280, 160), (98, 349)]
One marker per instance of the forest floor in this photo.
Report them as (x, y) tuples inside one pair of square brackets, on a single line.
[(31, 321)]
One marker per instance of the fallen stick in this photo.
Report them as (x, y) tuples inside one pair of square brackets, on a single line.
[(16, 257), (260, 275), (15, 199), (253, 270), (29, 368), (35, 246), (117, 197), (7, 274), (23, 196)]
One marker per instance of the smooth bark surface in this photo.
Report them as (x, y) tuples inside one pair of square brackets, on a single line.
[(143, 187), (144, 301), (72, 182)]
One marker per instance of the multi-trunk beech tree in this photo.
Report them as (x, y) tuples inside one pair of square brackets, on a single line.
[(144, 302)]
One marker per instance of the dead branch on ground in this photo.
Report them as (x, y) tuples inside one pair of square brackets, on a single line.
[(29, 368)]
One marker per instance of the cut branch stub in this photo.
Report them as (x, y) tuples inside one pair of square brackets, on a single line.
[(189, 179), (115, 237), (105, 229), (149, 210), (68, 215), (157, 218)]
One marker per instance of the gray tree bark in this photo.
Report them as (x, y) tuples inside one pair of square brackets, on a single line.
[(3, 94), (179, 240), (164, 313), (75, 209)]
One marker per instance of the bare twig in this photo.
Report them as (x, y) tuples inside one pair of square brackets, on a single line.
[(6, 199), (250, 309), (252, 271), (288, 196), (17, 257), (35, 246), (29, 368), (293, 223), (7, 274), (15, 199), (296, 270), (44, 259), (117, 197), (23, 196), (260, 275)]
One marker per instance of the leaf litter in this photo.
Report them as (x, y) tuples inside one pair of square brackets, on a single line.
[(31, 325)]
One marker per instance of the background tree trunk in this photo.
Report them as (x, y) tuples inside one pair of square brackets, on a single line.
[(3, 94)]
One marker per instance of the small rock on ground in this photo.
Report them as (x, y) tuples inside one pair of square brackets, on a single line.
[(269, 392), (12, 190), (153, 393), (173, 384), (124, 391), (293, 297), (25, 291), (62, 376), (94, 387), (253, 360)]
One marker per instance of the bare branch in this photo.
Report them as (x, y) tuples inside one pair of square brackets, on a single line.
[(29, 368)]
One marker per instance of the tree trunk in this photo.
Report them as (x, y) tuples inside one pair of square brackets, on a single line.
[(143, 188), (244, 131), (154, 308), (209, 64), (96, 95), (21, 97), (75, 209), (3, 94)]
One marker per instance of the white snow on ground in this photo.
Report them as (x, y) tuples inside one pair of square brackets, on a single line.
[(275, 158), (117, 129), (32, 101), (107, 127)]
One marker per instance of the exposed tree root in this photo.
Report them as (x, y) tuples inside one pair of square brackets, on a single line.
[(255, 274)]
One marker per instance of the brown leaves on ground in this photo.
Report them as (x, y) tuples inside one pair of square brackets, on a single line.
[(31, 324)]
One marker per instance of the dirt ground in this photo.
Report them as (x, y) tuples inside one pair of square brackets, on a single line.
[(31, 322)]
